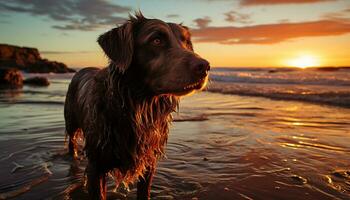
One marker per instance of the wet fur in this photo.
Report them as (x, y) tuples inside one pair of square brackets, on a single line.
[(132, 128), (123, 130), (124, 122)]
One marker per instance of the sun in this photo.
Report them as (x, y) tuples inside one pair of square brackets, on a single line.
[(303, 61)]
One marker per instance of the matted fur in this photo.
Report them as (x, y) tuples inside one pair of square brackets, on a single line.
[(149, 117), (135, 125)]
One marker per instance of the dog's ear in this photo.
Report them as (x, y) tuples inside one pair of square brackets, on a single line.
[(190, 45), (118, 45)]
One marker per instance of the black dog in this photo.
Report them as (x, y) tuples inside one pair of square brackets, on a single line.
[(124, 110)]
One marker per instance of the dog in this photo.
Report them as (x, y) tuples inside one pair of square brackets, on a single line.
[(124, 110)]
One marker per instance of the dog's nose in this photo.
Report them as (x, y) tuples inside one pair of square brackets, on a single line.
[(201, 67)]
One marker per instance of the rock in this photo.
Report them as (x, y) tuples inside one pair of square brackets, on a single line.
[(10, 77), (37, 81), (28, 60)]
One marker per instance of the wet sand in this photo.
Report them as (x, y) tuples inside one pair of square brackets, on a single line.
[(220, 147)]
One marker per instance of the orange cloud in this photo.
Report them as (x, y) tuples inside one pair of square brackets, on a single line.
[(270, 33), (234, 16), (274, 2), (202, 22)]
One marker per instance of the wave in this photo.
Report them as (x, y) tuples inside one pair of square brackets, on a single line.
[(330, 86), (56, 76), (36, 102), (328, 96), (338, 79), (269, 80), (185, 118)]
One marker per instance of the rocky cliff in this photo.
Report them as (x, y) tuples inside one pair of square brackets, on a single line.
[(28, 60)]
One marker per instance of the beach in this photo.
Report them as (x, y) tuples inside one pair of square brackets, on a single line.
[(253, 134)]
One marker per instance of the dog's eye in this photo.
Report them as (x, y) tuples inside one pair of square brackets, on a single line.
[(157, 41)]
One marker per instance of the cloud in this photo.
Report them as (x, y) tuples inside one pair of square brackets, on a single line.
[(4, 22), (284, 21), (234, 16), (173, 16), (270, 33), (275, 2), (337, 15), (202, 22), (83, 15)]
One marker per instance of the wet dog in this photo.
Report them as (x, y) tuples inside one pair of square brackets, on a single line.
[(124, 109)]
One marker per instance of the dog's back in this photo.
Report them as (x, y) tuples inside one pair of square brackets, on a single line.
[(77, 98)]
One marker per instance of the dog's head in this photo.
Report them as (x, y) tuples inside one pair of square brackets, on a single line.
[(159, 55)]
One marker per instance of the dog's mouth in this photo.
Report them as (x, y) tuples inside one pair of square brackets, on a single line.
[(182, 88), (197, 85), (189, 88)]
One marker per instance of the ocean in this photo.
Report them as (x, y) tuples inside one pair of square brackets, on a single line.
[(254, 133), (315, 85)]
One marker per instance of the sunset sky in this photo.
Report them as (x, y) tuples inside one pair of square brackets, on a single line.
[(227, 33)]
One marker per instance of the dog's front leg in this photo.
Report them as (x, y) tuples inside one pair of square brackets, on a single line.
[(144, 184), (96, 182)]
